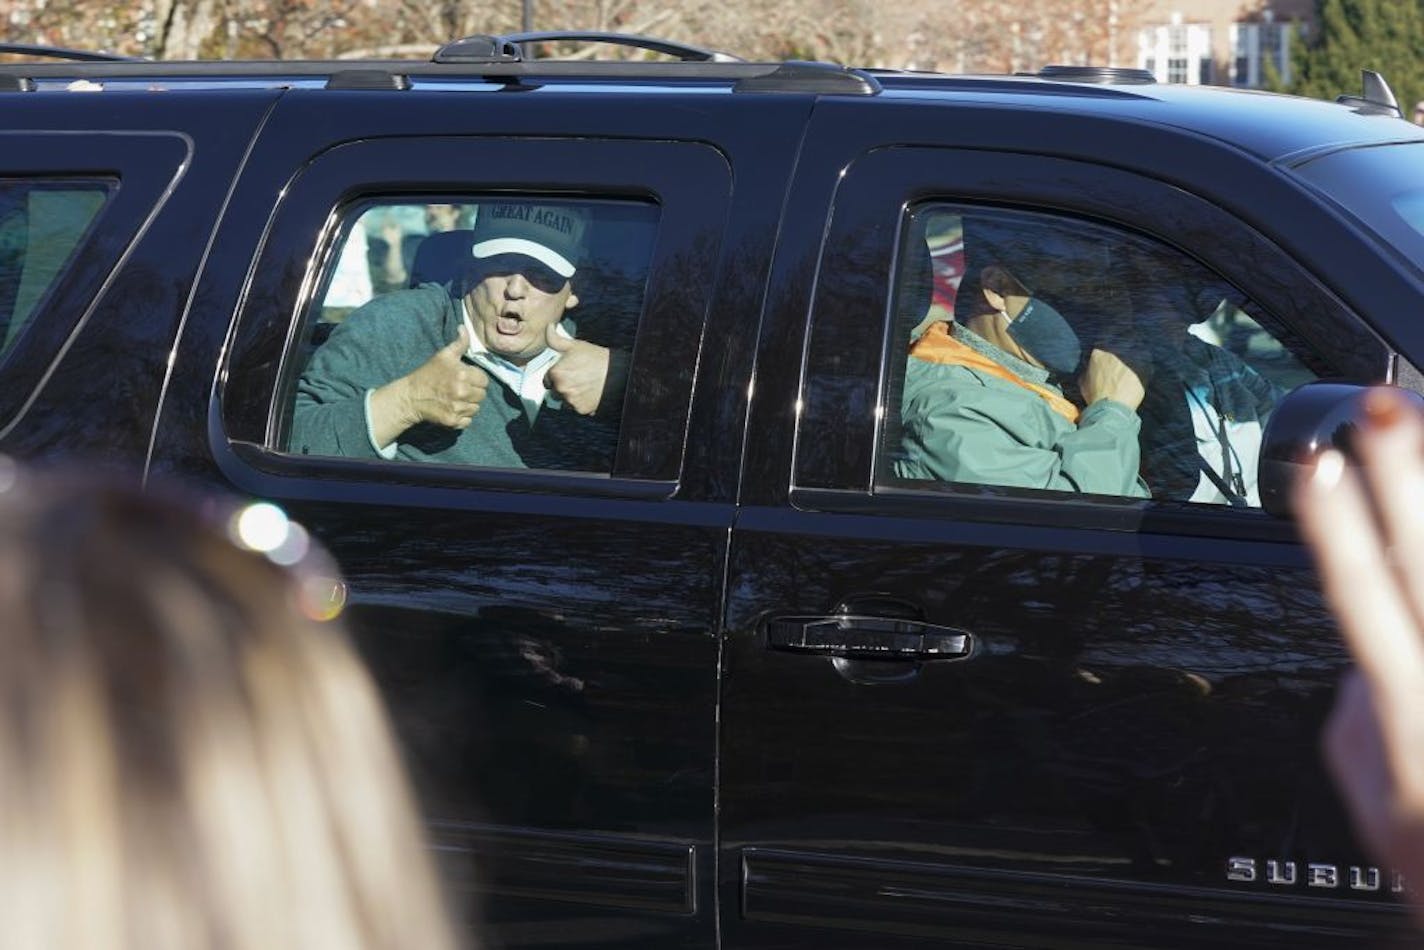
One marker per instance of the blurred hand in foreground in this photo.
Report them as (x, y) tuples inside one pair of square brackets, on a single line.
[(1370, 554)]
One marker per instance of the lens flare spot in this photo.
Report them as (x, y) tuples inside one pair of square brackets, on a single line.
[(321, 598), (293, 548), (261, 526)]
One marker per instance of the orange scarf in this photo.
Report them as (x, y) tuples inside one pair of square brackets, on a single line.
[(937, 345)]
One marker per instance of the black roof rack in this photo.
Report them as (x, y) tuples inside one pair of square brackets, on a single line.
[(511, 47), (1097, 74), (367, 79), (1377, 98), (812, 77), (64, 52)]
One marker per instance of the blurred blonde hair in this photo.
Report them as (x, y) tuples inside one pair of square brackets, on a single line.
[(190, 755)]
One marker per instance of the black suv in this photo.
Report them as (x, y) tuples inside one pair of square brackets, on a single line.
[(728, 678)]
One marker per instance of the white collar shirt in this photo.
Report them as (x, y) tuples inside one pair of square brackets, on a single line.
[(527, 380)]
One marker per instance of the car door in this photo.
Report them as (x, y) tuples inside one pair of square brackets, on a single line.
[(545, 638), (961, 713)]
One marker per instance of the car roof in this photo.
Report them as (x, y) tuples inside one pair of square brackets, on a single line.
[(1272, 127)]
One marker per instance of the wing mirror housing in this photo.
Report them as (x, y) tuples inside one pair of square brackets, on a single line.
[(1310, 419)]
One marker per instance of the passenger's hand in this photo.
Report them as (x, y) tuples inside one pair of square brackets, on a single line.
[(1371, 561), (444, 390), (579, 375), (392, 233), (393, 267), (1109, 376)]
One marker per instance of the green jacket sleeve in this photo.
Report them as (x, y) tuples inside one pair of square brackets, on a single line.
[(380, 342), (957, 428)]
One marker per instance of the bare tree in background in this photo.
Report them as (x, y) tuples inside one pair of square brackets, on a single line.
[(180, 27), (70, 23), (950, 35), (1017, 35)]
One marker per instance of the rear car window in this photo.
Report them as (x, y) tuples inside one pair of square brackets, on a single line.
[(548, 292), (42, 224)]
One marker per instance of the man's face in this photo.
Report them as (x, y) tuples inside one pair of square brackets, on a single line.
[(515, 302), (441, 217)]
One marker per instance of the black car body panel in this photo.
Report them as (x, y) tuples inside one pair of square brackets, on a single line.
[(610, 749)]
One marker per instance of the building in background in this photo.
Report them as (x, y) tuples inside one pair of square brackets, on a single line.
[(1220, 42)]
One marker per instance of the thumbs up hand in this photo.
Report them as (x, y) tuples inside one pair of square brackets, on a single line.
[(578, 376), (444, 390)]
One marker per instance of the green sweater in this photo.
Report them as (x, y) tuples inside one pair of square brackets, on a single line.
[(964, 425), (390, 337)]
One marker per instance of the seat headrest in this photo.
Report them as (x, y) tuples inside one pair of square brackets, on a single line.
[(441, 257)]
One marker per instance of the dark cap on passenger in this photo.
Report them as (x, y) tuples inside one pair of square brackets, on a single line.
[(1047, 256), (550, 234), (1071, 266)]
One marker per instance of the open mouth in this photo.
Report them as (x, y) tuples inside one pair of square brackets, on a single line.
[(509, 324)]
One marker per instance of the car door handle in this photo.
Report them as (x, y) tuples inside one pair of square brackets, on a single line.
[(868, 637)]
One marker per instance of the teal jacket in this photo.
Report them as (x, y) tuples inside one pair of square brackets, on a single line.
[(392, 336), (964, 423)]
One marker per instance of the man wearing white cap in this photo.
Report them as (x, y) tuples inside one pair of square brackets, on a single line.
[(485, 371)]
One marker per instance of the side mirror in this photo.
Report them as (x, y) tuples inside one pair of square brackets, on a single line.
[(1309, 420)]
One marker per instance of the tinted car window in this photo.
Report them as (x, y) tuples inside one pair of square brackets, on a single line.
[(41, 225), (1039, 353), (547, 293)]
